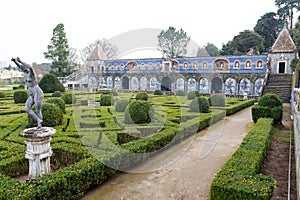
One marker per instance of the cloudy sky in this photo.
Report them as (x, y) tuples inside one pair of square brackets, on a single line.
[(26, 26)]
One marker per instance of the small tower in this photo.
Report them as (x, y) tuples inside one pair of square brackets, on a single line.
[(282, 53)]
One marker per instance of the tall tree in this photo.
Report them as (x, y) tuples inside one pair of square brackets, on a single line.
[(268, 26), (286, 9), (295, 34), (109, 49), (227, 49), (73, 58), (248, 40), (212, 49), (202, 52), (58, 52), (173, 43)]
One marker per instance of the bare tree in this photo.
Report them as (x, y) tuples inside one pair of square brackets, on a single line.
[(109, 49), (73, 58)]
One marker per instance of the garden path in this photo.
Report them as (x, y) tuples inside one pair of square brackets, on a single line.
[(189, 176)]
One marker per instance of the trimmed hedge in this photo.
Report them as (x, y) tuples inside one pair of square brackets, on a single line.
[(57, 94), (239, 177), (50, 83), (2, 95), (180, 93), (217, 100), (69, 98), (106, 100), (270, 100), (20, 96), (193, 94), (120, 106), (158, 92), (59, 102), (141, 96), (199, 104), (137, 112)]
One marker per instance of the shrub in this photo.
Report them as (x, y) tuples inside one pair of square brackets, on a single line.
[(121, 105), (193, 94), (217, 100), (21, 86), (270, 100), (20, 96), (141, 96), (69, 98), (106, 100), (52, 116), (158, 92), (50, 83), (180, 93), (57, 94), (260, 112), (59, 102), (2, 95), (199, 104), (138, 112), (276, 114)]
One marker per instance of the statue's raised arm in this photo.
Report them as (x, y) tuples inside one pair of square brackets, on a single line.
[(35, 93)]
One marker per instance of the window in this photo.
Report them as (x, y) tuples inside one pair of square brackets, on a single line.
[(122, 66), (205, 66), (248, 65), (195, 65), (185, 65), (259, 64), (236, 65)]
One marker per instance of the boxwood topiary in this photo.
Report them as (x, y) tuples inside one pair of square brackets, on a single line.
[(270, 100), (199, 104), (120, 106), (59, 102), (69, 98), (141, 96), (20, 96), (138, 112), (217, 100), (57, 94), (106, 100), (193, 94), (260, 112), (2, 95), (180, 93), (50, 83), (52, 116), (158, 92)]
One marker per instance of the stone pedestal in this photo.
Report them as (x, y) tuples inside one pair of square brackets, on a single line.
[(38, 150)]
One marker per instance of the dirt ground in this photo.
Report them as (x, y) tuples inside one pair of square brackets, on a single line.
[(186, 177), (276, 164)]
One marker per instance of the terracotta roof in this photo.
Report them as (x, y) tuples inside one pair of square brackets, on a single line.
[(98, 54), (284, 43)]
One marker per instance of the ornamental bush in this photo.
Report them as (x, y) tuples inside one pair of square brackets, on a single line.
[(106, 100), (270, 100), (193, 94), (57, 94), (180, 93), (120, 106), (52, 116), (141, 96), (158, 92), (20, 96), (50, 83), (59, 102), (138, 112), (217, 100), (69, 98), (199, 104), (2, 95)]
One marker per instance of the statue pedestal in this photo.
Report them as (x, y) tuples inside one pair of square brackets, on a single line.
[(38, 150)]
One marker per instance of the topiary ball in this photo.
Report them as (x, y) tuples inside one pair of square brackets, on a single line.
[(120, 106), (2, 95), (192, 95), (52, 116), (217, 100), (199, 104), (106, 100), (69, 98), (59, 102), (158, 92), (141, 96), (50, 83), (180, 93), (20, 96), (270, 100), (57, 94), (138, 112)]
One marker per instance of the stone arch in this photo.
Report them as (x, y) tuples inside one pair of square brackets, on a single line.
[(135, 84), (166, 84), (143, 83), (216, 85), (109, 82), (117, 83), (125, 82), (191, 84), (102, 83), (257, 86), (245, 86), (230, 86), (179, 85), (203, 85), (93, 82), (153, 83)]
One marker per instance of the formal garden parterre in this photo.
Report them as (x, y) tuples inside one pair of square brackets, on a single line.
[(94, 142)]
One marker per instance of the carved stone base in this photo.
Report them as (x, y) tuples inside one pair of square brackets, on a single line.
[(38, 150)]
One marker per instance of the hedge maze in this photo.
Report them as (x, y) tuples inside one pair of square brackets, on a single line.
[(94, 142)]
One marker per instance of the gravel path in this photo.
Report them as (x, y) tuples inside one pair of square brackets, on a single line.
[(189, 176)]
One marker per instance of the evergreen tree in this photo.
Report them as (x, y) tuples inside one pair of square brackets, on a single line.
[(173, 43), (286, 9), (58, 52), (248, 40), (212, 50)]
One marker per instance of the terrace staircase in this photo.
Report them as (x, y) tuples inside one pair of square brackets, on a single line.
[(280, 84)]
